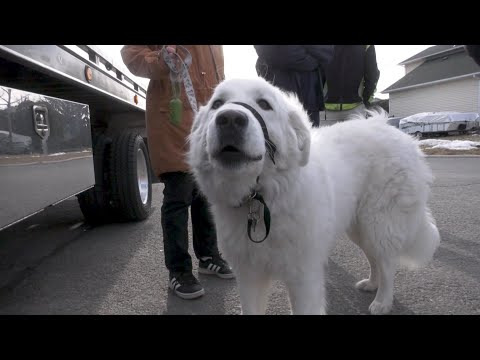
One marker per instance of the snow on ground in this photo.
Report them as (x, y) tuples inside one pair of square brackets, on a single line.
[(450, 144)]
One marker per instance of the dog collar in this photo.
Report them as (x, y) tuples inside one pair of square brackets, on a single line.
[(269, 145)]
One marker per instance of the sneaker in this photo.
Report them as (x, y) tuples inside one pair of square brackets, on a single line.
[(216, 266), (185, 285)]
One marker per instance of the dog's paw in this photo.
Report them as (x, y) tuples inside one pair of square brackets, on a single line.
[(319, 311), (378, 308), (366, 285)]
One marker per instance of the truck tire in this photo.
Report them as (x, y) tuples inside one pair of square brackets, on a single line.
[(130, 178), (92, 211), (95, 203)]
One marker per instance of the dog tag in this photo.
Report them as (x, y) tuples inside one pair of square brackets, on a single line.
[(254, 223), (253, 217)]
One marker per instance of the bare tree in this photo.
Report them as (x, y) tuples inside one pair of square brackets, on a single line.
[(6, 103), (6, 98)]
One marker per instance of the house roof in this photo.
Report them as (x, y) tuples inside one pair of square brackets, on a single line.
[(432, 50), (437, 68)]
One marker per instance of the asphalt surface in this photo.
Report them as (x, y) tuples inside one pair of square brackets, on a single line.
[(52, 263)]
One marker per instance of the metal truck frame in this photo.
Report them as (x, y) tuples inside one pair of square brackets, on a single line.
[(72, 122)]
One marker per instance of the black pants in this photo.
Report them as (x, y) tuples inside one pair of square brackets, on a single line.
[(314, 116), (179, 193)]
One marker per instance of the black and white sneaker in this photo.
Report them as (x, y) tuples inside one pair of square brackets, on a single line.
[(185, 285), (215, 266)]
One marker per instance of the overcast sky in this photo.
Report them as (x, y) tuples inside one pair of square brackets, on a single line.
[(240, 61)]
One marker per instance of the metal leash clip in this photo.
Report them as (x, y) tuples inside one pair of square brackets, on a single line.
[(253, 215)]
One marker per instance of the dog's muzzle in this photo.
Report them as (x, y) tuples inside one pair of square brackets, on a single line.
[(231, 120), (269, 145), (231, 127)]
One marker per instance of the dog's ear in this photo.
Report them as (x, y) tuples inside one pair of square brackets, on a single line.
[(299, 122)]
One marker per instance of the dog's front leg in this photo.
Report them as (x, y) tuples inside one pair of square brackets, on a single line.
[(253, 290), (382, 304), (307, 295)]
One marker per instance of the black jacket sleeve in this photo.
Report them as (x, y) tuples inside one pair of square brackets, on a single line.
[(371, 76)]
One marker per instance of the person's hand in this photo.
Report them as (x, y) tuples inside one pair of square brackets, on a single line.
[(171, 49)]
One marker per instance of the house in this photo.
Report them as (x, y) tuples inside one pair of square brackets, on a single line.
[(440, 78)]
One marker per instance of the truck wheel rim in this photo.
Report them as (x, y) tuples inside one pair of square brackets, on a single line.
[(142, 176)]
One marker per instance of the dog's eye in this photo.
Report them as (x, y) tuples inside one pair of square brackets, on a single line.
[(264, 104), (217, 103)]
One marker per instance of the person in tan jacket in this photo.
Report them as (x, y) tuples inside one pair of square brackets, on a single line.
[(167, 142)]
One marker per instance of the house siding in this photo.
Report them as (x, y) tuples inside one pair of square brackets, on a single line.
[(458, 95), (413, 66)]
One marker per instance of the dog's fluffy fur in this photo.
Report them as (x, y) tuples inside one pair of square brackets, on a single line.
[(362, 178)]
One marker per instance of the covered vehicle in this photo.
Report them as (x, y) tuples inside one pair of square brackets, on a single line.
[(439, 123)]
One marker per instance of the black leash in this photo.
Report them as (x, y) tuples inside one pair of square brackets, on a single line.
[(253, 217)]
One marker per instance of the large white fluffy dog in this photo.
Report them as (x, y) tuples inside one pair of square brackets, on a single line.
[(252, 144)]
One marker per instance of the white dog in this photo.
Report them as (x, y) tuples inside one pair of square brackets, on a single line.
[(253, 144)]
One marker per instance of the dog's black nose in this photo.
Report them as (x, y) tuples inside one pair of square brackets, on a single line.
[(232, 118)]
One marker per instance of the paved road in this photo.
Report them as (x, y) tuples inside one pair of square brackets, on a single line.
[(53, 264)]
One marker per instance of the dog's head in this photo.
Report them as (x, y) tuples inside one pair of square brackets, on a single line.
[(247, 129)]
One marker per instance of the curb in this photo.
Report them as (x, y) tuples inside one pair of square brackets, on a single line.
[(454, 156)]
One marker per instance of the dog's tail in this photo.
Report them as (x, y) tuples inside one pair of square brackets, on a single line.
[(425, 242)]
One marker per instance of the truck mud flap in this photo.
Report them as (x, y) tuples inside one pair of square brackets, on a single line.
[(95, 202)]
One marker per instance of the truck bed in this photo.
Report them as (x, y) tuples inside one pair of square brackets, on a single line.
[(59, 71)]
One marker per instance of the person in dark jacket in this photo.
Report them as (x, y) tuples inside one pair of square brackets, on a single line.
[(351, 81), (298, 69)]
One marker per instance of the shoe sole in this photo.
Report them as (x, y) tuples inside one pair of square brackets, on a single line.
[(188, 296), (211, 272)]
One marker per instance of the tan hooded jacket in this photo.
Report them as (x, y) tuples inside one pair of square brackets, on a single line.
[(167, 142)]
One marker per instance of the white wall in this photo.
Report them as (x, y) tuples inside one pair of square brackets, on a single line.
[(412, 66), (457, 95)]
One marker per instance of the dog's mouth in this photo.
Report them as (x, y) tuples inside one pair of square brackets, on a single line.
[(232, 155), (230, 149)]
